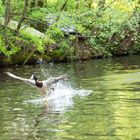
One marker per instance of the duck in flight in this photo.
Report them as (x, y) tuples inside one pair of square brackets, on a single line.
[(44, 85)]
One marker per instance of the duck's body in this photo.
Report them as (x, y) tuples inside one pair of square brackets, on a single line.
[(43, 86)]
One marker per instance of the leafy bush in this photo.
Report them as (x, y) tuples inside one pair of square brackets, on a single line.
[(10, 49), (38, 13), (37, 42)]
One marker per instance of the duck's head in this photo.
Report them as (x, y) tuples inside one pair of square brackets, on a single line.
[(33, 77)]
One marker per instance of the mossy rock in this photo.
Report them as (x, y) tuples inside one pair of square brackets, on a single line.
[(46, 57), (57, 55), (86, 54), (18, 58), (5, 61)]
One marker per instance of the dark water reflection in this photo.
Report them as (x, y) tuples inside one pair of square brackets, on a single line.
[(110, 112)]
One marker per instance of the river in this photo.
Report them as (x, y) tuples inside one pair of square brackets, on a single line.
[(105, 106)]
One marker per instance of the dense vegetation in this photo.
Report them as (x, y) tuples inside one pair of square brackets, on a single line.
[(63, 30)]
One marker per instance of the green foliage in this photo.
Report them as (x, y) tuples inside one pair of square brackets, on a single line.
[(38, 13), (10, 49), (37, 42), (47, 41), (66, 50), (54, 32), (17, 5), (98, 49), (109, 30), (1, 9)]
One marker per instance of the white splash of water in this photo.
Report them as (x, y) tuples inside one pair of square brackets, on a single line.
[(61, 98)]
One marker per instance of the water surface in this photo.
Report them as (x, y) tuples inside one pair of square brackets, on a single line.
[(110, 112)]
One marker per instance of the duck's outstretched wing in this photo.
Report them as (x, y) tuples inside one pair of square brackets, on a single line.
[(53, 80), (29, 81), (16, 77)]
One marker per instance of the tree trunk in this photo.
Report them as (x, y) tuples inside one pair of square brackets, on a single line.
[(37, 3), (64, 5), (23, 15), (7, 12), (7, 20), (76, 48), (77, 4), (3, 1)]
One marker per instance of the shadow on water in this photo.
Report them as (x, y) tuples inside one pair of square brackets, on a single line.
[(72, 111)]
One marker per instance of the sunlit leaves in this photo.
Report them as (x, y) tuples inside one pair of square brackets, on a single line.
[(106, 28), (1, 9), (8, 50), (34, 40)]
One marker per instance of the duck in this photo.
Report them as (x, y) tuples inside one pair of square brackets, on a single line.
[(44, 85)]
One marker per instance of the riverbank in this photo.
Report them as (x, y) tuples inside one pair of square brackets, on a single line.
[(33, 58)]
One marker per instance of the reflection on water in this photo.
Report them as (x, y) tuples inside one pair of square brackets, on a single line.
[(111, 111)]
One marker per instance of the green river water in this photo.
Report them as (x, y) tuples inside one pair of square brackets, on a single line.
[(111, 111)]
